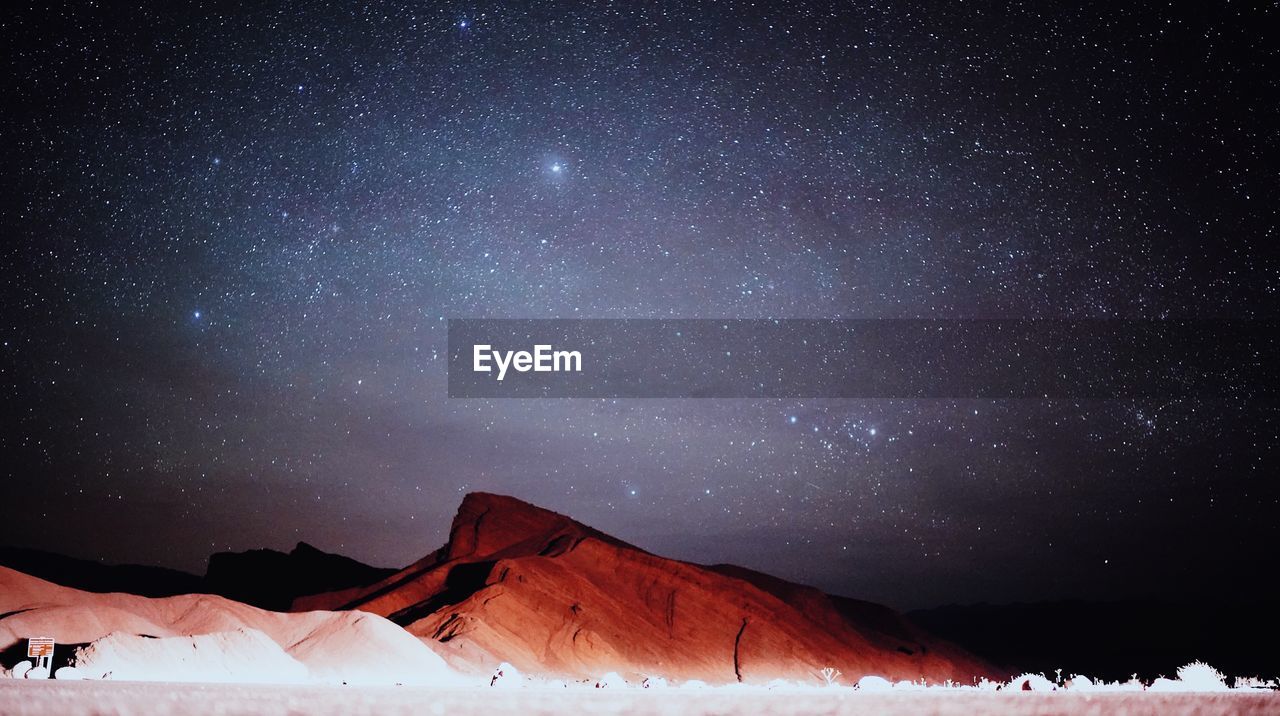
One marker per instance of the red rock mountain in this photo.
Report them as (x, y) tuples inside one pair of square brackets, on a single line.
[(554, 597)]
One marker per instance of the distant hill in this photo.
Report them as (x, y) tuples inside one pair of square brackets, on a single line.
[(91, 576), (272, 580), (263, 578)]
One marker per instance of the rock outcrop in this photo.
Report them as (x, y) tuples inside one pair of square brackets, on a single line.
[(520, 584)]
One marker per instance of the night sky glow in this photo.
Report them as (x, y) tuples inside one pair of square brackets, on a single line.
[(232, 237)]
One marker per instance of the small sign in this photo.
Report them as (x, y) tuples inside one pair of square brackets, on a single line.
[(39, 646)]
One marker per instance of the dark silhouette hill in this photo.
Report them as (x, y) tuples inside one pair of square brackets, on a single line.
[(263, 578), (92, 576), (271, 579), (1114, 640)]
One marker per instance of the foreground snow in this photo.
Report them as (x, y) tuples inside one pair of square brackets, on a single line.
[(198, 637), (106, 697)]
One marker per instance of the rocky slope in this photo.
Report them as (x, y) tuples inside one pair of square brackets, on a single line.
[(521, 584)]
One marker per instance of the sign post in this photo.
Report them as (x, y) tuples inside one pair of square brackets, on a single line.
[(40, 648)]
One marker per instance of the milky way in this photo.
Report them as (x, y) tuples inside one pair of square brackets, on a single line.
[(232, 238)]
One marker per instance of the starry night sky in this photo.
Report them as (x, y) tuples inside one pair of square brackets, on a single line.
[(232, 236)]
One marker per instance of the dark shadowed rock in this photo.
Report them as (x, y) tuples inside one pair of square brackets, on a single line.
[(270, 579), (1114, 640), (92, 576)]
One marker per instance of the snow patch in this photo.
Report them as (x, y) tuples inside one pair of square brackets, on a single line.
[(874, 683), (239, 656), (68, 673), (505, 676), (368, 650), (611, 680)]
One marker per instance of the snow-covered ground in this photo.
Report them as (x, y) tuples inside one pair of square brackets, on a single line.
[(197, 654), (106, 697)]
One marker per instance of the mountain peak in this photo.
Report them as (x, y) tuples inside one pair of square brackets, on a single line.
[(488, 524), (526, 585), (304, 548)]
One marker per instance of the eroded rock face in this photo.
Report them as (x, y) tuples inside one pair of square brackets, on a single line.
[(524, 585)]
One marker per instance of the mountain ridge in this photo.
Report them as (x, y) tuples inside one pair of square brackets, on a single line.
[(519, 583)]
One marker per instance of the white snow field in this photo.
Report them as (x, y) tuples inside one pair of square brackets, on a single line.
[(19, 697), (198, 637), (197, 654)]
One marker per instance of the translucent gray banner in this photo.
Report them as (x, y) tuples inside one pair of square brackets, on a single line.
[(873, 358)]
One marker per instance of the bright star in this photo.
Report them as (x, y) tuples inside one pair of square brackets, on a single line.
[(792, 419), (197, 315), (556, 168)]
